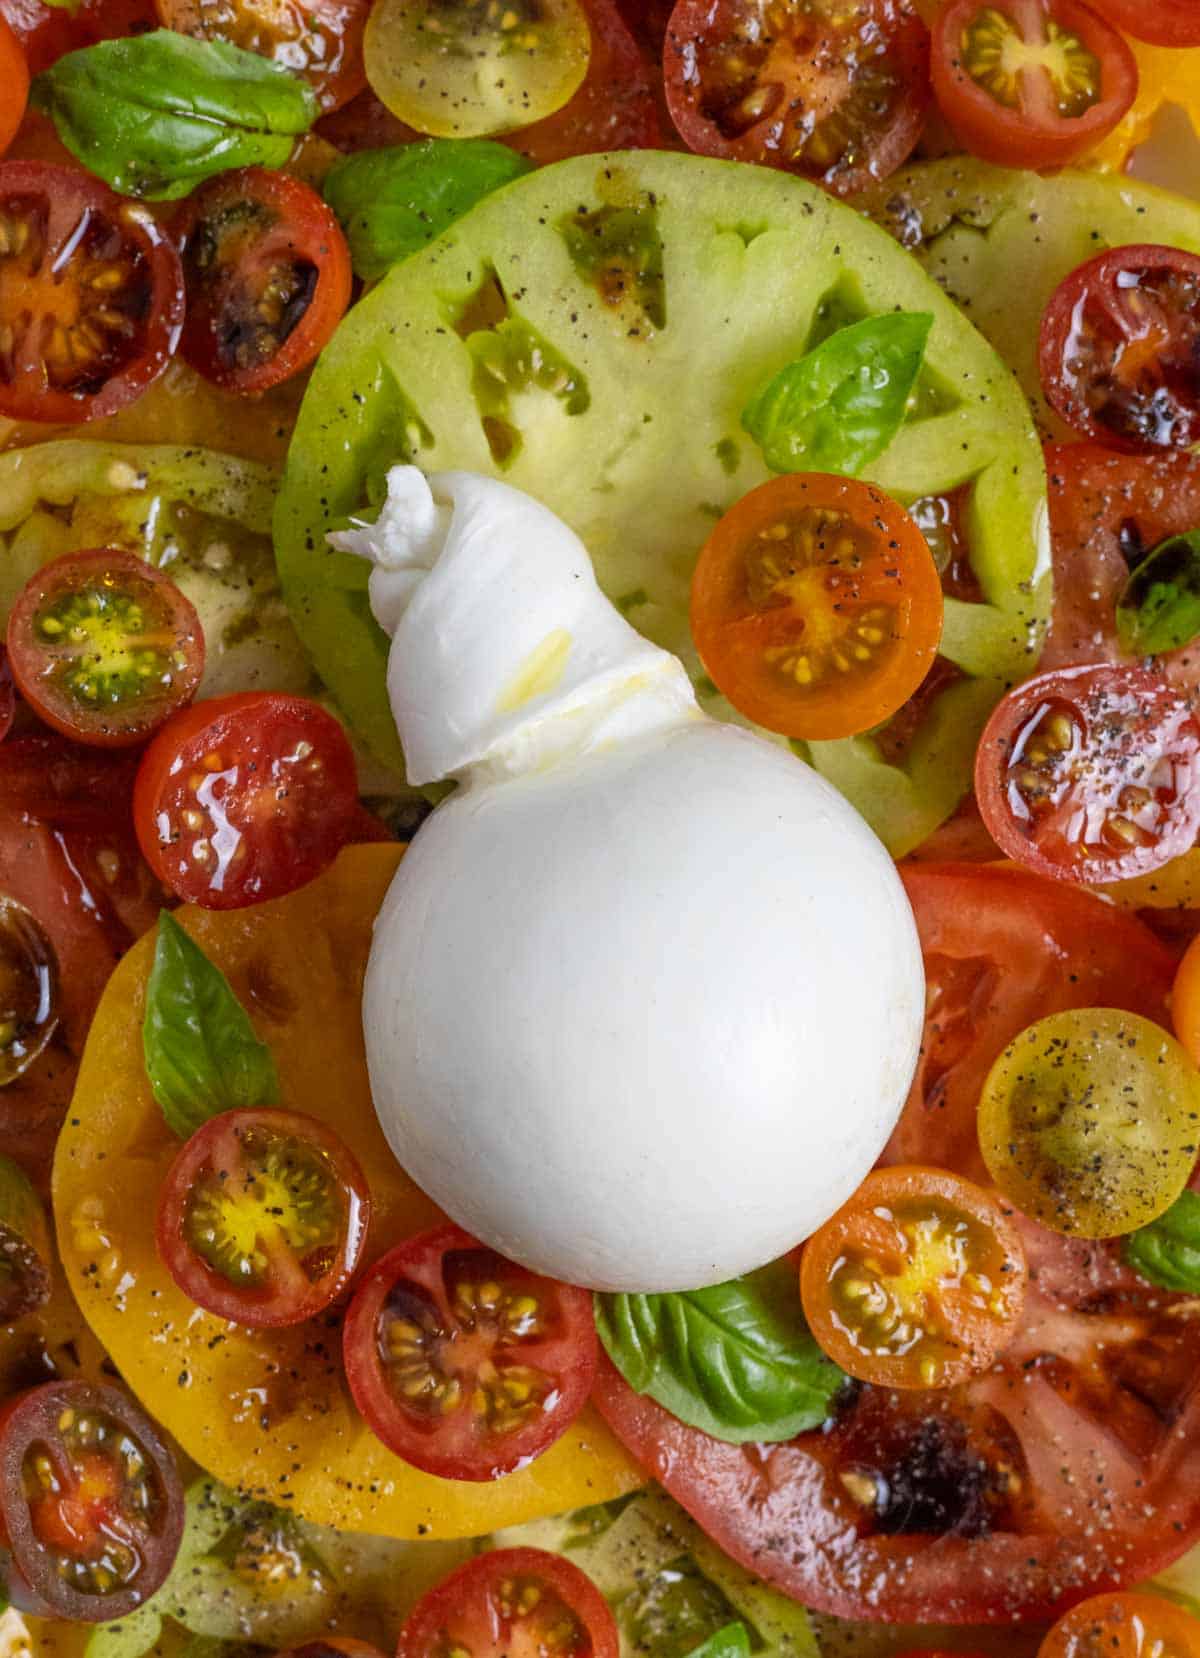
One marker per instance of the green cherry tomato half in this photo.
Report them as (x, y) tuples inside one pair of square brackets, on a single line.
[(1089, 1120)]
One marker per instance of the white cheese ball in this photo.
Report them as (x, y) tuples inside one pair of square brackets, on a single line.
[(645, 1019)]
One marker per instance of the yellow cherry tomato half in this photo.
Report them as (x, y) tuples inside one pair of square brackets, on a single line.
[(1124, 1626), (466, 68), (1089, 1121)]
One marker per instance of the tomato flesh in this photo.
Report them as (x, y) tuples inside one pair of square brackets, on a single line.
[(14, 77), (1164, 23), (1124, 1626), (28, 990), (510, 1602)]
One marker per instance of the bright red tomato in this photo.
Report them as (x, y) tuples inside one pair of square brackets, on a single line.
[(512, 1602), (837, 95), (47, 31), (245, 798), (319, 39), (1162, 22), (463, 1363), (1030, 83), (14, 77)]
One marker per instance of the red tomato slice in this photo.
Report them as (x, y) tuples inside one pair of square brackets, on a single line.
[(509, 1603), (440, 1324), (14, 77), (263, 1217), (1119, 348), (318, 39), (1091, 774), (245, 798), (90, 1503), (1162, 22), (648, 20), (268, 277), (29, 995), (1030, 83), (838, 95)]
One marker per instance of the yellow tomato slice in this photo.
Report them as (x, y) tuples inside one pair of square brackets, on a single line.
[(268, 1411)]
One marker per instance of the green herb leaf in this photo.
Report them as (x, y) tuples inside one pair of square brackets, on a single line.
[(731, 1642), (202, 1056), (155, 114), (1167, 1252), (736, 1361), (393, 201), (838, 408), (1160, 607)]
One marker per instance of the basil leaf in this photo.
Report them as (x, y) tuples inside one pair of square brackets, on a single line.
[(393, 201), (202, 1056), (731, 1642), (1160, 607), (1167, 1252), (838, 408), (736, 1361), (155, 114)]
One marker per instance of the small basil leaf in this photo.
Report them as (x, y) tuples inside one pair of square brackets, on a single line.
[(202, 1056), (392, 202), (731, 1642), (1160, 607), (1167, 1252), (155, 114), (736, 1361), (838, 408)]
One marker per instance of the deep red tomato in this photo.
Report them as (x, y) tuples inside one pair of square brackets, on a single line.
[(332, 1646), (245, 798), (1162, 22), (263, 1217), (103, 647), (319, 39), (1124, 1626), (440, 1324), (268, 277), (1030, 83), (14, 77), (91, 1506), (837, 95), (8, 696), (510, 1602), (29, 995), (1091, 774), (91, 295), (47, 31), (1119, 353), (648, 19)]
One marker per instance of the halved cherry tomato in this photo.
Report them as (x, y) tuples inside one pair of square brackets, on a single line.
[(29, 996), (45, 32), (1124, 1626), (512, 1601), (90, 1503), (1119, 353), (836, 94), (91, 295), (104, 647), (1091, 774), (268, 277), (1162, 22), (14, 78), (816, 605), (1030, 83), (917, 1282), (463, 1363), (245, 798), (263, 1217), (1185, 1001), (320, 40)]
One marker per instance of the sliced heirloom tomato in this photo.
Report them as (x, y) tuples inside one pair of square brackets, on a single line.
[(91, 295), (245, 798), (318, 39), (463, 1363), (268, 277), (104, 648), (837, 94), (14, 77), (91, 1507), (1124, 1626), (263, 1217), (1162, 22), (816, 606), (1030, 83), (29, 999), (512, 1601)]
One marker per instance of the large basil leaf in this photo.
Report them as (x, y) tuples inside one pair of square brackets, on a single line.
[(1167, 1252), (838, 408), (1160, 607), (155, 114), (202, 1056), (736, 1361)]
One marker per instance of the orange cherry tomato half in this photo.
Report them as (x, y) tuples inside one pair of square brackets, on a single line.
[(318, 39), (917, 1282), (14, 78), (816, 606), (1185, 1000), (512, 1603), (268, 277), (1124, 1626), (1161, 22)]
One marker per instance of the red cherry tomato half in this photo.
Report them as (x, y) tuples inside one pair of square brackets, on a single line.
[(263, 1217), (45, 32), (1161, 22), (511, 1602), (837, 94), (245, 798), (1091, 774), (1119, 352), (14, 78), (1030, 83), (91, 295), (103, 647), (90, 1503), (268, 277), (463, 1363), (318, 39)]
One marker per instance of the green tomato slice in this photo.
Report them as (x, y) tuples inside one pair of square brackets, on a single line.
[(592, 334)]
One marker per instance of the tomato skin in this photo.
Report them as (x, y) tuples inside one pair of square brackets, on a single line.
[(14, 77), (46, 31), (320, 40), (1124, 1626), (1029, 134), (1185, 1000), (465, 1610), (1164, 23), (8, 696)]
